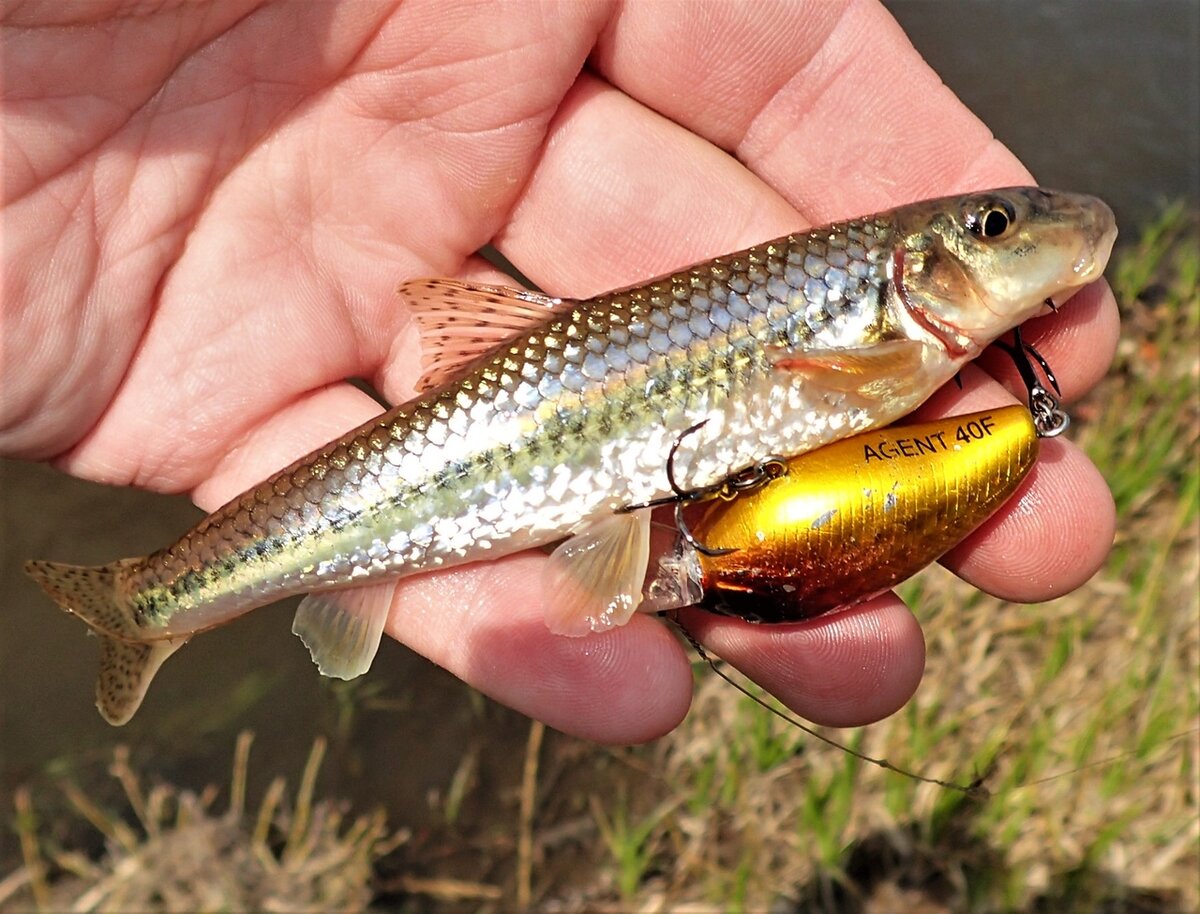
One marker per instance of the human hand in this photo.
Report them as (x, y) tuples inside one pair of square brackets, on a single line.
[(208, 209)]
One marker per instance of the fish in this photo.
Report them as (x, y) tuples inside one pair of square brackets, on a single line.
[(537, 419), (844, 523)]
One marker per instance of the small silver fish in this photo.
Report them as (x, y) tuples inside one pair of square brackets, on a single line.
[(540, 417)]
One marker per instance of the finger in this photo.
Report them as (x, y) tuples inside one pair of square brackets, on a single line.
[(647, 695), (126, 129), (607, 208), (844, 669), (586, 158), (1078, 343), (484, 623), (829, 103), (622, 194), (303, 425), (426, 129), (1050, 538)]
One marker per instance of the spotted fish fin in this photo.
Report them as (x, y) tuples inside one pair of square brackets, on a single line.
[(90, 592), (461, 322), (593, 581), (342, 628), (126, 670), (862, 369), (128, 658)]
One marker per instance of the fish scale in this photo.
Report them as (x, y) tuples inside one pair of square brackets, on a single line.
[(526, 437)]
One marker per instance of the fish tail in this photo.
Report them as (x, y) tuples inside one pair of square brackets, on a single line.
[(128, 661), (89, 593), (126, 670)]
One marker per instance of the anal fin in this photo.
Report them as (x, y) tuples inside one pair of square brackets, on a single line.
[(593, 581), (342, 628)]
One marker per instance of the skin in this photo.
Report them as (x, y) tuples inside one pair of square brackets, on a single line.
[(207, 208)]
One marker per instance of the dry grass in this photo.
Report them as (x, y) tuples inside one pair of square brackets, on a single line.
[(178, 854)]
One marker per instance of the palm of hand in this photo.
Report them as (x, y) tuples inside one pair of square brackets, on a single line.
[(208, 210)]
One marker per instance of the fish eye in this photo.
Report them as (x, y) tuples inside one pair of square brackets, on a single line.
[(991, 220)]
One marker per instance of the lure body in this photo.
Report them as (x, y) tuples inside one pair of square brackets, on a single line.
[(541, 417), (854, 518)]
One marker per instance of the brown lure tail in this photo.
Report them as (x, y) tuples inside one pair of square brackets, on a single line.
[(128, 662)]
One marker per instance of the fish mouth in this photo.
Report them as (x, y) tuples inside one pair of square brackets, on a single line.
[(1100, 250), (1093, 260), (957, 343), (1100, 236)]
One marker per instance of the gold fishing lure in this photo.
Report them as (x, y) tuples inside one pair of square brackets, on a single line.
[(852, 519)]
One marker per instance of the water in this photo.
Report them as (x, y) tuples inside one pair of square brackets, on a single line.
[(1098, 96)]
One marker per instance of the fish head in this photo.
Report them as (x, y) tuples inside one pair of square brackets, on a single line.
[(970, 267)]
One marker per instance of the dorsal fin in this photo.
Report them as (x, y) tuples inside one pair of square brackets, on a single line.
[(461, 322)]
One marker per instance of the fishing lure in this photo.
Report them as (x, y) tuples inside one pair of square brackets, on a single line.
[(844, 523), (539, 418)]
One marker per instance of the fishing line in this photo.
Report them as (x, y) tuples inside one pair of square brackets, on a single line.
[(975, 789), (1105, 761)]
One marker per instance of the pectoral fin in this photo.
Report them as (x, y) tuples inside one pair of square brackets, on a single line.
[(342, 628), (593, 581), (855, 370)]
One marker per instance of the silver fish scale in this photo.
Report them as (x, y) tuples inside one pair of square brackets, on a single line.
[(572, 420)]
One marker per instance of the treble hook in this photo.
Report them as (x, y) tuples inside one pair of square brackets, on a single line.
[(771, 467), (1049, 418), (690, 538), (680, 495)]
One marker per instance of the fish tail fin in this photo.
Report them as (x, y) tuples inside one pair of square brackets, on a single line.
[(91, 593), (128, 662), (126, 670)]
